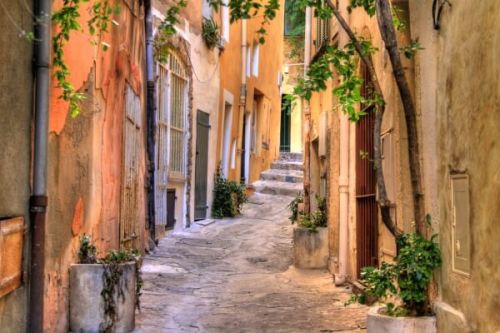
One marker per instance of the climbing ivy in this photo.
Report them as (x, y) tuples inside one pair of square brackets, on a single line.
[(343, 63), (66, 21)]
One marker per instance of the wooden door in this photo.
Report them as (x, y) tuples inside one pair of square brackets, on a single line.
[(171, 199), (201, 167), (129, 219)]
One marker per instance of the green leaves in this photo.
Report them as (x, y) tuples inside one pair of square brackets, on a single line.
[(210, 32), (344, 63), (368, 5), (66, 21), (229, 196), (411, 49), (407, 278)]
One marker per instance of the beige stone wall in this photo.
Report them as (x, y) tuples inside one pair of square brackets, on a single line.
[(463, 57)]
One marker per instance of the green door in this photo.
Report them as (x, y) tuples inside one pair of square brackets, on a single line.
[(286, 115), (201, 167)]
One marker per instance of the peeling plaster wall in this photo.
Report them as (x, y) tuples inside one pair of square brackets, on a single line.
[(85, 153), (464, 103), (15, 153)]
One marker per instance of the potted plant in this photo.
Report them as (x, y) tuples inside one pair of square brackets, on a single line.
[(211, 33), (104, 292), (402, 287), (310, 237)]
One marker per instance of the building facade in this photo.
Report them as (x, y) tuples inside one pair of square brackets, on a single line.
[(456, 114), (250, 97)]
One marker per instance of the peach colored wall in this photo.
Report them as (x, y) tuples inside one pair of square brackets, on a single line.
[(85, 153)]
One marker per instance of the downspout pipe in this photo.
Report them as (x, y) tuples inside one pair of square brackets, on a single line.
[(243, 94), (306, 116), (151, 118), (341, 276), (39, 199)]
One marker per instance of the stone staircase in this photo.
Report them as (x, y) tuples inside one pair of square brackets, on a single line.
[(284, 178)]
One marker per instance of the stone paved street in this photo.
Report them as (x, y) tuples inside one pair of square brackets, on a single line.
[(236, 275)]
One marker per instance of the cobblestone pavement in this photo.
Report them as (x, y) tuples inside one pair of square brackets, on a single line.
[(236, 275)]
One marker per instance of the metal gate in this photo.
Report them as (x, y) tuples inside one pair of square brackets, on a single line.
[(366, 204), (200, 191), (129, 219), (286, 115)]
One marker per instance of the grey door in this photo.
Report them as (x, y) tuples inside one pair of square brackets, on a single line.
[(200, 191)]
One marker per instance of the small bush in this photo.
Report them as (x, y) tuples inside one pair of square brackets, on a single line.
[(317, 219), (229, 197), (406, 280), (210, 33)]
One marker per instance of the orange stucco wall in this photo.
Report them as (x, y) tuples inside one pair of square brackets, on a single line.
[(265, 84), (85, 153)]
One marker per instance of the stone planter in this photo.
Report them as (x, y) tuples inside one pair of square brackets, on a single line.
[(380, 323), (86, 302), (310, 249)]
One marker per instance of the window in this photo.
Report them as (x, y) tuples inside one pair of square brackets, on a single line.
[(255, 62), (206, 10), (295, 19), (225, 20), (322, 31), (173, 104)]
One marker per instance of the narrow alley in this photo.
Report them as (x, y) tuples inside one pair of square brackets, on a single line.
[(236, 275)]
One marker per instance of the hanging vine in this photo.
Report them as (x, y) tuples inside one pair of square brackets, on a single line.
[(66, 21)]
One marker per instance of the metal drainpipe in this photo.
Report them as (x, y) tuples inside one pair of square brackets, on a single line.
[(306, 116), (39, 200), (243, 90), (341, 276), (150, 115)]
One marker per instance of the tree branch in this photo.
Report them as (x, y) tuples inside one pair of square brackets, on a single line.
[(383, 200), (384, 17)]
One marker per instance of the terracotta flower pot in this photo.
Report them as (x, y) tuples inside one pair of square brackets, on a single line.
[(380, 323)]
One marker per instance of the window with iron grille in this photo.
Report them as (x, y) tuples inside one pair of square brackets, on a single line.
[(173, 100), (322, 30)]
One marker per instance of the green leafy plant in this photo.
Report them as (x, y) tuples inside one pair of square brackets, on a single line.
[(229, 197), (87, 253), (406, 280), (313, 221), (293, 206), (210, 33)]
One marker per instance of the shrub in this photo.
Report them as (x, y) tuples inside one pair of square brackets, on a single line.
[(406, 280), (229, 196), (317, 219)]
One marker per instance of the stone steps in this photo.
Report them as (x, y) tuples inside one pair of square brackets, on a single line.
[(284, 178), (291, 157), (284, 165), (289, 176), (277, 187)]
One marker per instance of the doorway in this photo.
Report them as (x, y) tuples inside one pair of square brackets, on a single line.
[(285, 126), (245, 148), (366, 203), (226, 140), (201, 167)]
